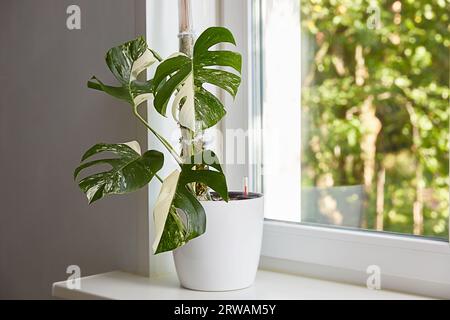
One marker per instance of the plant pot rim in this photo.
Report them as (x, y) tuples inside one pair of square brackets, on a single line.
[(237, 196)]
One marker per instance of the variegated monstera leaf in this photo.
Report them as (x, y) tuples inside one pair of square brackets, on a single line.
[(129, 170), (179, 216), (126, 62), (194, 106)]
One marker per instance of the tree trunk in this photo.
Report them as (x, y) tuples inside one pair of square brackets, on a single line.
[(418, 203), (361, 73), (381, 180), (372, 127)]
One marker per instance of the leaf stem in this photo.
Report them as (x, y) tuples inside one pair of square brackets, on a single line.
[(156, 55), (160, 138)]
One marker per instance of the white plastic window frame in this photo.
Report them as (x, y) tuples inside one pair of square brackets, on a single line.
[(406, 263)]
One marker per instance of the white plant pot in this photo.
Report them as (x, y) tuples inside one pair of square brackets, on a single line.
[(226, 256)]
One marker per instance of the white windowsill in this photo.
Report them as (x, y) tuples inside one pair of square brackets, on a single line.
[(118, 285)]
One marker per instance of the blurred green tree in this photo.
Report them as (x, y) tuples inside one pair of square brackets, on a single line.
[(375, 101)]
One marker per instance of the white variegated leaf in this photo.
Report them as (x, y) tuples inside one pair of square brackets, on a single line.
[(129, 170), (126, 62), (189, 77), (134, 145), (163, 204), (185, 113), (142, 63), (141, 98)]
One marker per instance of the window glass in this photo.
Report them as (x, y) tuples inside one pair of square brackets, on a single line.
[(355, 116)]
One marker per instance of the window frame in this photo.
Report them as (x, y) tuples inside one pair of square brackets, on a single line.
[(407, 263)]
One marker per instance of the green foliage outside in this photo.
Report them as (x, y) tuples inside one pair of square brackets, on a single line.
[(375, 104)]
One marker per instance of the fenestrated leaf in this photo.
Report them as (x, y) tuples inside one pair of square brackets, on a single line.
[(198, 107), (126, 62), (171, 232), (129, 170), (178, 67)]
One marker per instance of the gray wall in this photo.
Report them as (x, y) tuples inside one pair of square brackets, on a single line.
[(47, 119)]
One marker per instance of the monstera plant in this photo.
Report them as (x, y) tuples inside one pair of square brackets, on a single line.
[(180, 81)]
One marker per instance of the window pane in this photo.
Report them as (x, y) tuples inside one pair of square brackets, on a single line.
[(355, 113)]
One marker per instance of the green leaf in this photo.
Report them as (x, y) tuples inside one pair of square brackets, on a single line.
[(178, 67), (129, 170), (126, 62), (176, 197), (196, 218), (194, 106)]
